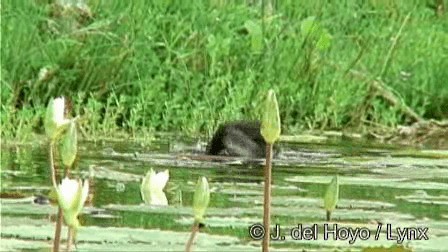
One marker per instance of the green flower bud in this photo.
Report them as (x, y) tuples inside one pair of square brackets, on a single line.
[(69, 146), (72, 195), (201, 199), (331, 196), (54, 118), (270, 125), (152, 187)]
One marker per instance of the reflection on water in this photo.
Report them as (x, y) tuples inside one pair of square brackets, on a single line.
[(378, 184)]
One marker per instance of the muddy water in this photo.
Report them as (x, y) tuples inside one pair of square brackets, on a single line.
[(385, 191)]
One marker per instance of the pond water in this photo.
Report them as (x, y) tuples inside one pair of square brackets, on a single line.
[(381, 187)]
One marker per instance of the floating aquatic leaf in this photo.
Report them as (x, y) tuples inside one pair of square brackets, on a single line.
[(124, 239), (421, 196), (437, 154), (27, 209), (375, 181), (303, 138), (222, 221), (313, 202), (100, 172)]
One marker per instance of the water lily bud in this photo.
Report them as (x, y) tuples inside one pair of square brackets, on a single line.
[(72, 195), (69, 146), (152, 187), (54, 118), (270, 125), (331, 196), (201, 199)]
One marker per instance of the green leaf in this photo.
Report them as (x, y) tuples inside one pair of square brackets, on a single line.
[(309, 26), (69, 147), (324, 41)]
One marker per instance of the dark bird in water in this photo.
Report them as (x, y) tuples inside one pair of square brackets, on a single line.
[(239, 138)]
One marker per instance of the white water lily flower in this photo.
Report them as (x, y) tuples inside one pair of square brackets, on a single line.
[(72, 195), (54, 118), (152, 187)]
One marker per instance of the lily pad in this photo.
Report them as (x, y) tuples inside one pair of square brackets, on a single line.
[(222, 221), (101, 172), (315, 202), (422, 197), (129, 239), (413, 172), (373, 181)]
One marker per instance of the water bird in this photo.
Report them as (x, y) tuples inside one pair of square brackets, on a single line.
[(238, 138)]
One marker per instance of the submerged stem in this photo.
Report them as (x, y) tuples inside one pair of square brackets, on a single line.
[(194, 230), (267, 197)]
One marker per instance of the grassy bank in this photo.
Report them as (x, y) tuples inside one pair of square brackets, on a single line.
[(144, 66)]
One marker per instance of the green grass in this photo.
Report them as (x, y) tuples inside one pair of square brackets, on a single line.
[(145, 66)]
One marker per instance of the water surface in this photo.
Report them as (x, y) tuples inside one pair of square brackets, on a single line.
[(379, 185)]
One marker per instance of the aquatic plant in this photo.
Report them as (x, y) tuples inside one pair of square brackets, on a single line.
[(201, 198), (71, 194), (270, 125), (69, 146), (270, 130), (152, 186), (54, 118), (331, 196)]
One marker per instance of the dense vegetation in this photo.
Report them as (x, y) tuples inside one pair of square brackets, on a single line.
[(141, 66)]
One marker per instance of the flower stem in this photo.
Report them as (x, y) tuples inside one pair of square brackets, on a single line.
[(58, 228), (267, 197), (53, 171), (57, 232), (194, 230), (69, 238)]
